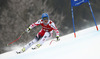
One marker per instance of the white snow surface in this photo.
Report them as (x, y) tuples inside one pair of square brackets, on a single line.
[(86, 45)]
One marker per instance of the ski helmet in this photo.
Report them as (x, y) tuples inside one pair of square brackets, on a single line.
[(45, 16)]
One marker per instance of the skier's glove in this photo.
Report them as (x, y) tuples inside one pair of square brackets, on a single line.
[(57, 38), (28, 30)]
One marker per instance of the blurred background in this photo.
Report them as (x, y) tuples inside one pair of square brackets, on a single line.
[(17, 15)]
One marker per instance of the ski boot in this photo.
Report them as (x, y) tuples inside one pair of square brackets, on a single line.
[(37, 46), (22, 50)]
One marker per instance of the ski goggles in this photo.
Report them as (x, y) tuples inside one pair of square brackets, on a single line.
[(45, 18)]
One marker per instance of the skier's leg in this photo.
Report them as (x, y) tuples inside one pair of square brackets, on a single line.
[(43, 39), (29, 44)]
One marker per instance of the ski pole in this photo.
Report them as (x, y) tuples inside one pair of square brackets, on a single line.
[(16, 39), (52, 41)]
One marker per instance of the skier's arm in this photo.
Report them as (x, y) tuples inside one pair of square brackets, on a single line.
[(33, 25), (56, 30), (57, 34)]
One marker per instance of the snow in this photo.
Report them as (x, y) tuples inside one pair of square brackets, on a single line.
[(86, 45)]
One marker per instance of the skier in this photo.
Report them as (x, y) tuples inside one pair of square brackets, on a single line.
[(46, 32)]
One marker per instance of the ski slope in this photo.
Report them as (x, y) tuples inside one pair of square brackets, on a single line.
[(86, 45)]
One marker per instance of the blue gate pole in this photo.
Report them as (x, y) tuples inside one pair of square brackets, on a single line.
[(73, 21), (93, 16)]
